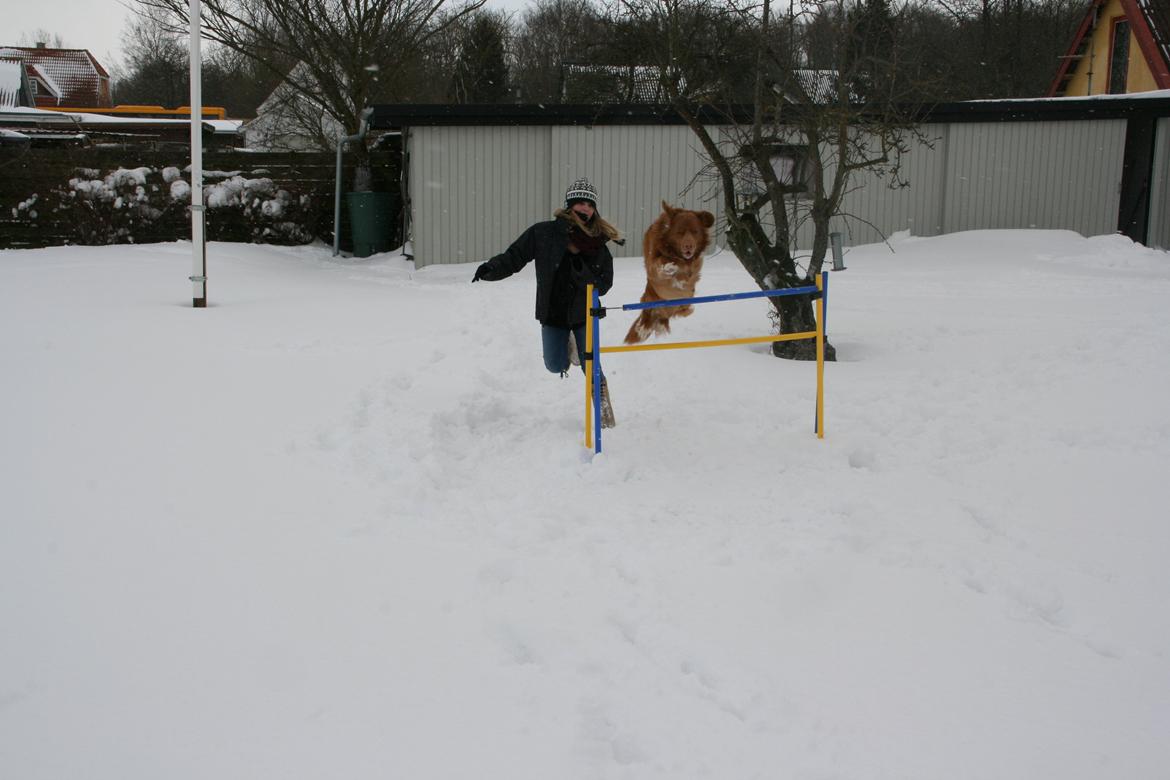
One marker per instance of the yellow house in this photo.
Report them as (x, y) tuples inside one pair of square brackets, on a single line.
[(1121, 46)]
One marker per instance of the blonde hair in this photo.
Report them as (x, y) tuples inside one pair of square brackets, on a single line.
[(599, 226)]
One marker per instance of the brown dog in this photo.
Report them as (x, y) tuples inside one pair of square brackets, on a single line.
[(673, 252)]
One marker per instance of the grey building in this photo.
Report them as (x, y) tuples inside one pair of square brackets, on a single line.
[(476, 176)]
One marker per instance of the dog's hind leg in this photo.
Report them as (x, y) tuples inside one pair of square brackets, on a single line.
[(642, 328)]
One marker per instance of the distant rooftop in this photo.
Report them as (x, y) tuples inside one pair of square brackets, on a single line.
[(71, 77), (11, 83)]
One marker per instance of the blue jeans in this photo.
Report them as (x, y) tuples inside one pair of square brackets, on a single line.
[(556, 347)]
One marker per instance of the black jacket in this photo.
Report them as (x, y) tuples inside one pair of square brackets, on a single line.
[(547, 243)]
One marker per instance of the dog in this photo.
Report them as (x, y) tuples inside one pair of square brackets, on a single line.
[(673, 253)]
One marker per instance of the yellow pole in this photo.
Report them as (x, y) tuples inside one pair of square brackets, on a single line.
[(588, 366), (820, 361), (714, 343)]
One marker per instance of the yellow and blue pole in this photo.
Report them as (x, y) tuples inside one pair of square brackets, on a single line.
[(588, 366), (595, 338), (594, 349), (711, 343), (823, 288)]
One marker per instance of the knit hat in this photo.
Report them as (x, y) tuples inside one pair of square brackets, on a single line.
[(581, 190)]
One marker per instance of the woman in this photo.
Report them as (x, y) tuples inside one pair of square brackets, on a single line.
[(570, 252)]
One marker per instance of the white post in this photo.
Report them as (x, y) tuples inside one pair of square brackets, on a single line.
[(198, 241)]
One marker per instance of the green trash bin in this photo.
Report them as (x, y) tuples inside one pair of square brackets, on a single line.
[(371, 221)]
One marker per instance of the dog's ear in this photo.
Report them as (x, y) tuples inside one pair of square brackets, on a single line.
[(668, 209), (706, 217)]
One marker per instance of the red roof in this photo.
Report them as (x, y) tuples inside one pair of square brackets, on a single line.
[(66, 77)]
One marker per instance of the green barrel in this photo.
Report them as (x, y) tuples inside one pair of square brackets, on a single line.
[(371, 221)]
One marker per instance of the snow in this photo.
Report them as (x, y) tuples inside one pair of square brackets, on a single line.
[(180, 190), (1153, 94), (341, 524)]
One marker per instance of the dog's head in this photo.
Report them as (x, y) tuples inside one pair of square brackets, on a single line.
[(685, 231)]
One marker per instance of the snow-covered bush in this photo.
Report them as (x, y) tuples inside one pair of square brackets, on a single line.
[(132, 205)]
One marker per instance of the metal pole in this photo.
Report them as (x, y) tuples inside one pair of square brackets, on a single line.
[(198, 239), (822, 285), (838, 252), (596, 303), (807, 290), (588, 366), (363, 126)]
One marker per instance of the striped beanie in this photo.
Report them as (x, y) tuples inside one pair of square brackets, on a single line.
[(581, 190)]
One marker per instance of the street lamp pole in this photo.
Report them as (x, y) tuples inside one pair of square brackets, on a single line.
[(198, 239)]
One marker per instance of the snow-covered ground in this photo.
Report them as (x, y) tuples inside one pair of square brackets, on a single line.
[(340, 524)]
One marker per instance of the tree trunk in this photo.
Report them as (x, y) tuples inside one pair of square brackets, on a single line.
[(791, 314), (797, 314)]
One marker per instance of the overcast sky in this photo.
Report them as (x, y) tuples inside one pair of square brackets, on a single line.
[(96, 24)]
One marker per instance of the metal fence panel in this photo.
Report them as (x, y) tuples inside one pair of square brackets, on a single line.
[(1159, 230), (635, 168), (876, 206), (475, 189), (1034, 175)]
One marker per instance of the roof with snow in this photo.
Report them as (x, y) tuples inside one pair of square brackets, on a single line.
[(619, 83), (70, 77), (13, 84), (41, 124)]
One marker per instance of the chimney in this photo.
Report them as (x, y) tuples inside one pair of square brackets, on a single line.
[(40, 44)]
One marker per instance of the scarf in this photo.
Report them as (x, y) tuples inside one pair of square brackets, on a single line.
[(585, 243)]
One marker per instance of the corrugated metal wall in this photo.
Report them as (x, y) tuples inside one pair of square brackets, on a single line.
[(1034, 175), (877, 207), (475, 189), (635, 168), (1159, 233)]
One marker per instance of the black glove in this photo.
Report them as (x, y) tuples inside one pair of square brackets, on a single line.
[(481, 273)]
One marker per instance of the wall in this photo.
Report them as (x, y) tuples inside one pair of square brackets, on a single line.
[(1159, 230), (1034, 175), (476, 189)]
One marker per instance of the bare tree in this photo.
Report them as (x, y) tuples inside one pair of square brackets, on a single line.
[(1008, 48), (789, 157), (550, 34), (154, 69), (40, 35), (338, 57)]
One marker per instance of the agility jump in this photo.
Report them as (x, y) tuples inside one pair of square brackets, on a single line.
[(595, 312)]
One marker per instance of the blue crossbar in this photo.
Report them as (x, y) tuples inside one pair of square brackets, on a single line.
[(728, 297)]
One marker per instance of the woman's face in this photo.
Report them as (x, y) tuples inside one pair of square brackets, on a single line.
[(584, 209)]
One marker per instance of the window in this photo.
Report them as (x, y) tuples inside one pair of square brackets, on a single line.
[(1119, 57)]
